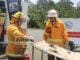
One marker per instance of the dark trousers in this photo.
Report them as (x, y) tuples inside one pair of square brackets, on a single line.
[(51, 57), (15, 58)]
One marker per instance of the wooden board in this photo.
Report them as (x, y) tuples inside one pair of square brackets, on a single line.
[(57, 51)]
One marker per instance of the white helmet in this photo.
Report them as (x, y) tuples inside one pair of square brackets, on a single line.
[(52, 13)]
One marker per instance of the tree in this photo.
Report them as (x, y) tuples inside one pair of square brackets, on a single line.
[(38, 12), (78, 10), (65, 8)]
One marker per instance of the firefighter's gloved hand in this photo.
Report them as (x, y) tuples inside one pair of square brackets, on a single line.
[(30, 38), (67, 45)]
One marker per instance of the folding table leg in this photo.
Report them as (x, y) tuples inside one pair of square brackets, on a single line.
[(42, 55), (32, 52)]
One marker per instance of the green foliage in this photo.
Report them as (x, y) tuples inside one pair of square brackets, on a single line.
[(65, 8), (78, 10), (38, 12)]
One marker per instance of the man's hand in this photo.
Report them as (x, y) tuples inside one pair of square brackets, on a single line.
[(67, 45), (30, 38)]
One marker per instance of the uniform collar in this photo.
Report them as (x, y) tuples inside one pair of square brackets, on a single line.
[(56, 24)]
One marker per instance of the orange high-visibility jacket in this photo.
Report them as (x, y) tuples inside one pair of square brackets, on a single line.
[(56, 33), (12, 32)]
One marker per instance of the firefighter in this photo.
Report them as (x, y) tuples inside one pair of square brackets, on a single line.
[(15, 32), (55, 32)]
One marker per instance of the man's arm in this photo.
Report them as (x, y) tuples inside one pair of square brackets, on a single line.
[(64, 34)]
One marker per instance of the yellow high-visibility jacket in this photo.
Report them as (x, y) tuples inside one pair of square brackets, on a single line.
[(57, 33), (13, 31)]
